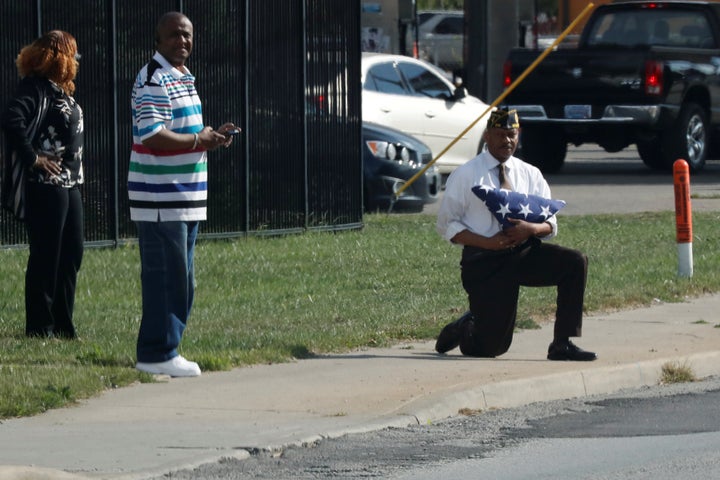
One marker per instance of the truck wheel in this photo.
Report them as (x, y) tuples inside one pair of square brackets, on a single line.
[(543, 148), (651, 154), (688, 139)]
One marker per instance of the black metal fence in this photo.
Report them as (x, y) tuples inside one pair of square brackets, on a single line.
[(286, 71)]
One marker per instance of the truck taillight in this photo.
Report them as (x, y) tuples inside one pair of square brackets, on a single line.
[(507, 77), (654, 77)]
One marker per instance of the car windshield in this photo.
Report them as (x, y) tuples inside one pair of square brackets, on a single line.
[(424, 82), (662, 27), (449, 26), (384, 78), (424, 17)]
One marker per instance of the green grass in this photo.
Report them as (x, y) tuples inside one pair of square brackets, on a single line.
[(269, 300)]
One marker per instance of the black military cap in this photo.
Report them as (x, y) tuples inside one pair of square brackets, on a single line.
[(503, 119)]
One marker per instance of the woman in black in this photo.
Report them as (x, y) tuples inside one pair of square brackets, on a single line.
[(43, 126)]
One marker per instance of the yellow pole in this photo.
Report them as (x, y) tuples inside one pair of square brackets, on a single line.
[(500, 98)]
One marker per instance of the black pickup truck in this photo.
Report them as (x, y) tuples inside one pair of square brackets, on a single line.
[(644, 73)]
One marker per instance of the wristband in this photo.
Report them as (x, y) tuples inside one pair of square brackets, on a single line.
[(196, 141)]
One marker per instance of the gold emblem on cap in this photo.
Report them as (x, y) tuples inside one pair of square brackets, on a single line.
[(503, 119)]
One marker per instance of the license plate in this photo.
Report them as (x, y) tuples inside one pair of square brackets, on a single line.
[(578, 111)]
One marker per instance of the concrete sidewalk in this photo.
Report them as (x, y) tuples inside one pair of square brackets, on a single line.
[(150, 429)]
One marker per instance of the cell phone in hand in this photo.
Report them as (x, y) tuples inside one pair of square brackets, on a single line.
[(231, 132)]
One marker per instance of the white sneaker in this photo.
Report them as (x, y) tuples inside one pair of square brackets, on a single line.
[(177, 366)]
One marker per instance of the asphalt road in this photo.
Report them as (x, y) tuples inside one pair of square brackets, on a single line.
[(649, 434), (593, 181), (662, 432)]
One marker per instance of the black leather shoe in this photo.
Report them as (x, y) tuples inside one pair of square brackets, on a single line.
[(566, 350), (449, 337)]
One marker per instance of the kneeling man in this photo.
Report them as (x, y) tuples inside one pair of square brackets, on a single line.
[(497, 261)]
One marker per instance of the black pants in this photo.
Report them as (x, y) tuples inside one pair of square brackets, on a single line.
[(493, 279), (54, 223)]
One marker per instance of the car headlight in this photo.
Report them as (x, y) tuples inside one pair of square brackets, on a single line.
[(404, 154), (398, 153), (391, 152), (380, 149)]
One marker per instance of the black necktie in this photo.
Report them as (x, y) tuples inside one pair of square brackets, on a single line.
[(504, 182)]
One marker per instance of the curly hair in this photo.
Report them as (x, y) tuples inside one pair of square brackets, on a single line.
[(52, 56)]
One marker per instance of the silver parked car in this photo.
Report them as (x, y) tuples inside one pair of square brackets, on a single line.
[(440, 38)]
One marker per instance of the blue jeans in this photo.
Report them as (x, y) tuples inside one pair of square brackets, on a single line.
[(168, 286)]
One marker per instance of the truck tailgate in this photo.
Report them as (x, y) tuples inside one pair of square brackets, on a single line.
[(605, 77)]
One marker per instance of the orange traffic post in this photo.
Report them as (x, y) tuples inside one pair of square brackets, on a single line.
[(683, 217)]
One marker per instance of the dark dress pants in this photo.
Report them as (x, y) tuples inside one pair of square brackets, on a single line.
[(54, 224), (493, 280)]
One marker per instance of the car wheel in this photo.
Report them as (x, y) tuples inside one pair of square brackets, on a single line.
[(688, 139), (543, 148), (651, 154)]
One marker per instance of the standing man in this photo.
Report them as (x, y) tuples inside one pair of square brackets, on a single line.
[(496, 262), (167, 186)]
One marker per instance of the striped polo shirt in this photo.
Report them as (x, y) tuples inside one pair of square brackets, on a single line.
[(166, 185)]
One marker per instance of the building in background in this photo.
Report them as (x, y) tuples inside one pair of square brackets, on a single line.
[(384, 25)]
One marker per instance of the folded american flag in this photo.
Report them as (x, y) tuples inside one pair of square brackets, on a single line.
[(506, 204)]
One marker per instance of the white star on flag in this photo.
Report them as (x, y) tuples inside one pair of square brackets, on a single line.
[(525, 210), (546, 212), (504, 209), (505, 204)]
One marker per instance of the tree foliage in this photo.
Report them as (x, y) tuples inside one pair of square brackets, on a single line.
[(548, 6), (439, 4)]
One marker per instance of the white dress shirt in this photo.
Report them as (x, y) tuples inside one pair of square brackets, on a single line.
[(461, 209)]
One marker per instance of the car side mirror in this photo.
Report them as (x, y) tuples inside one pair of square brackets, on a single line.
[(459, 93), (457, 77)]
